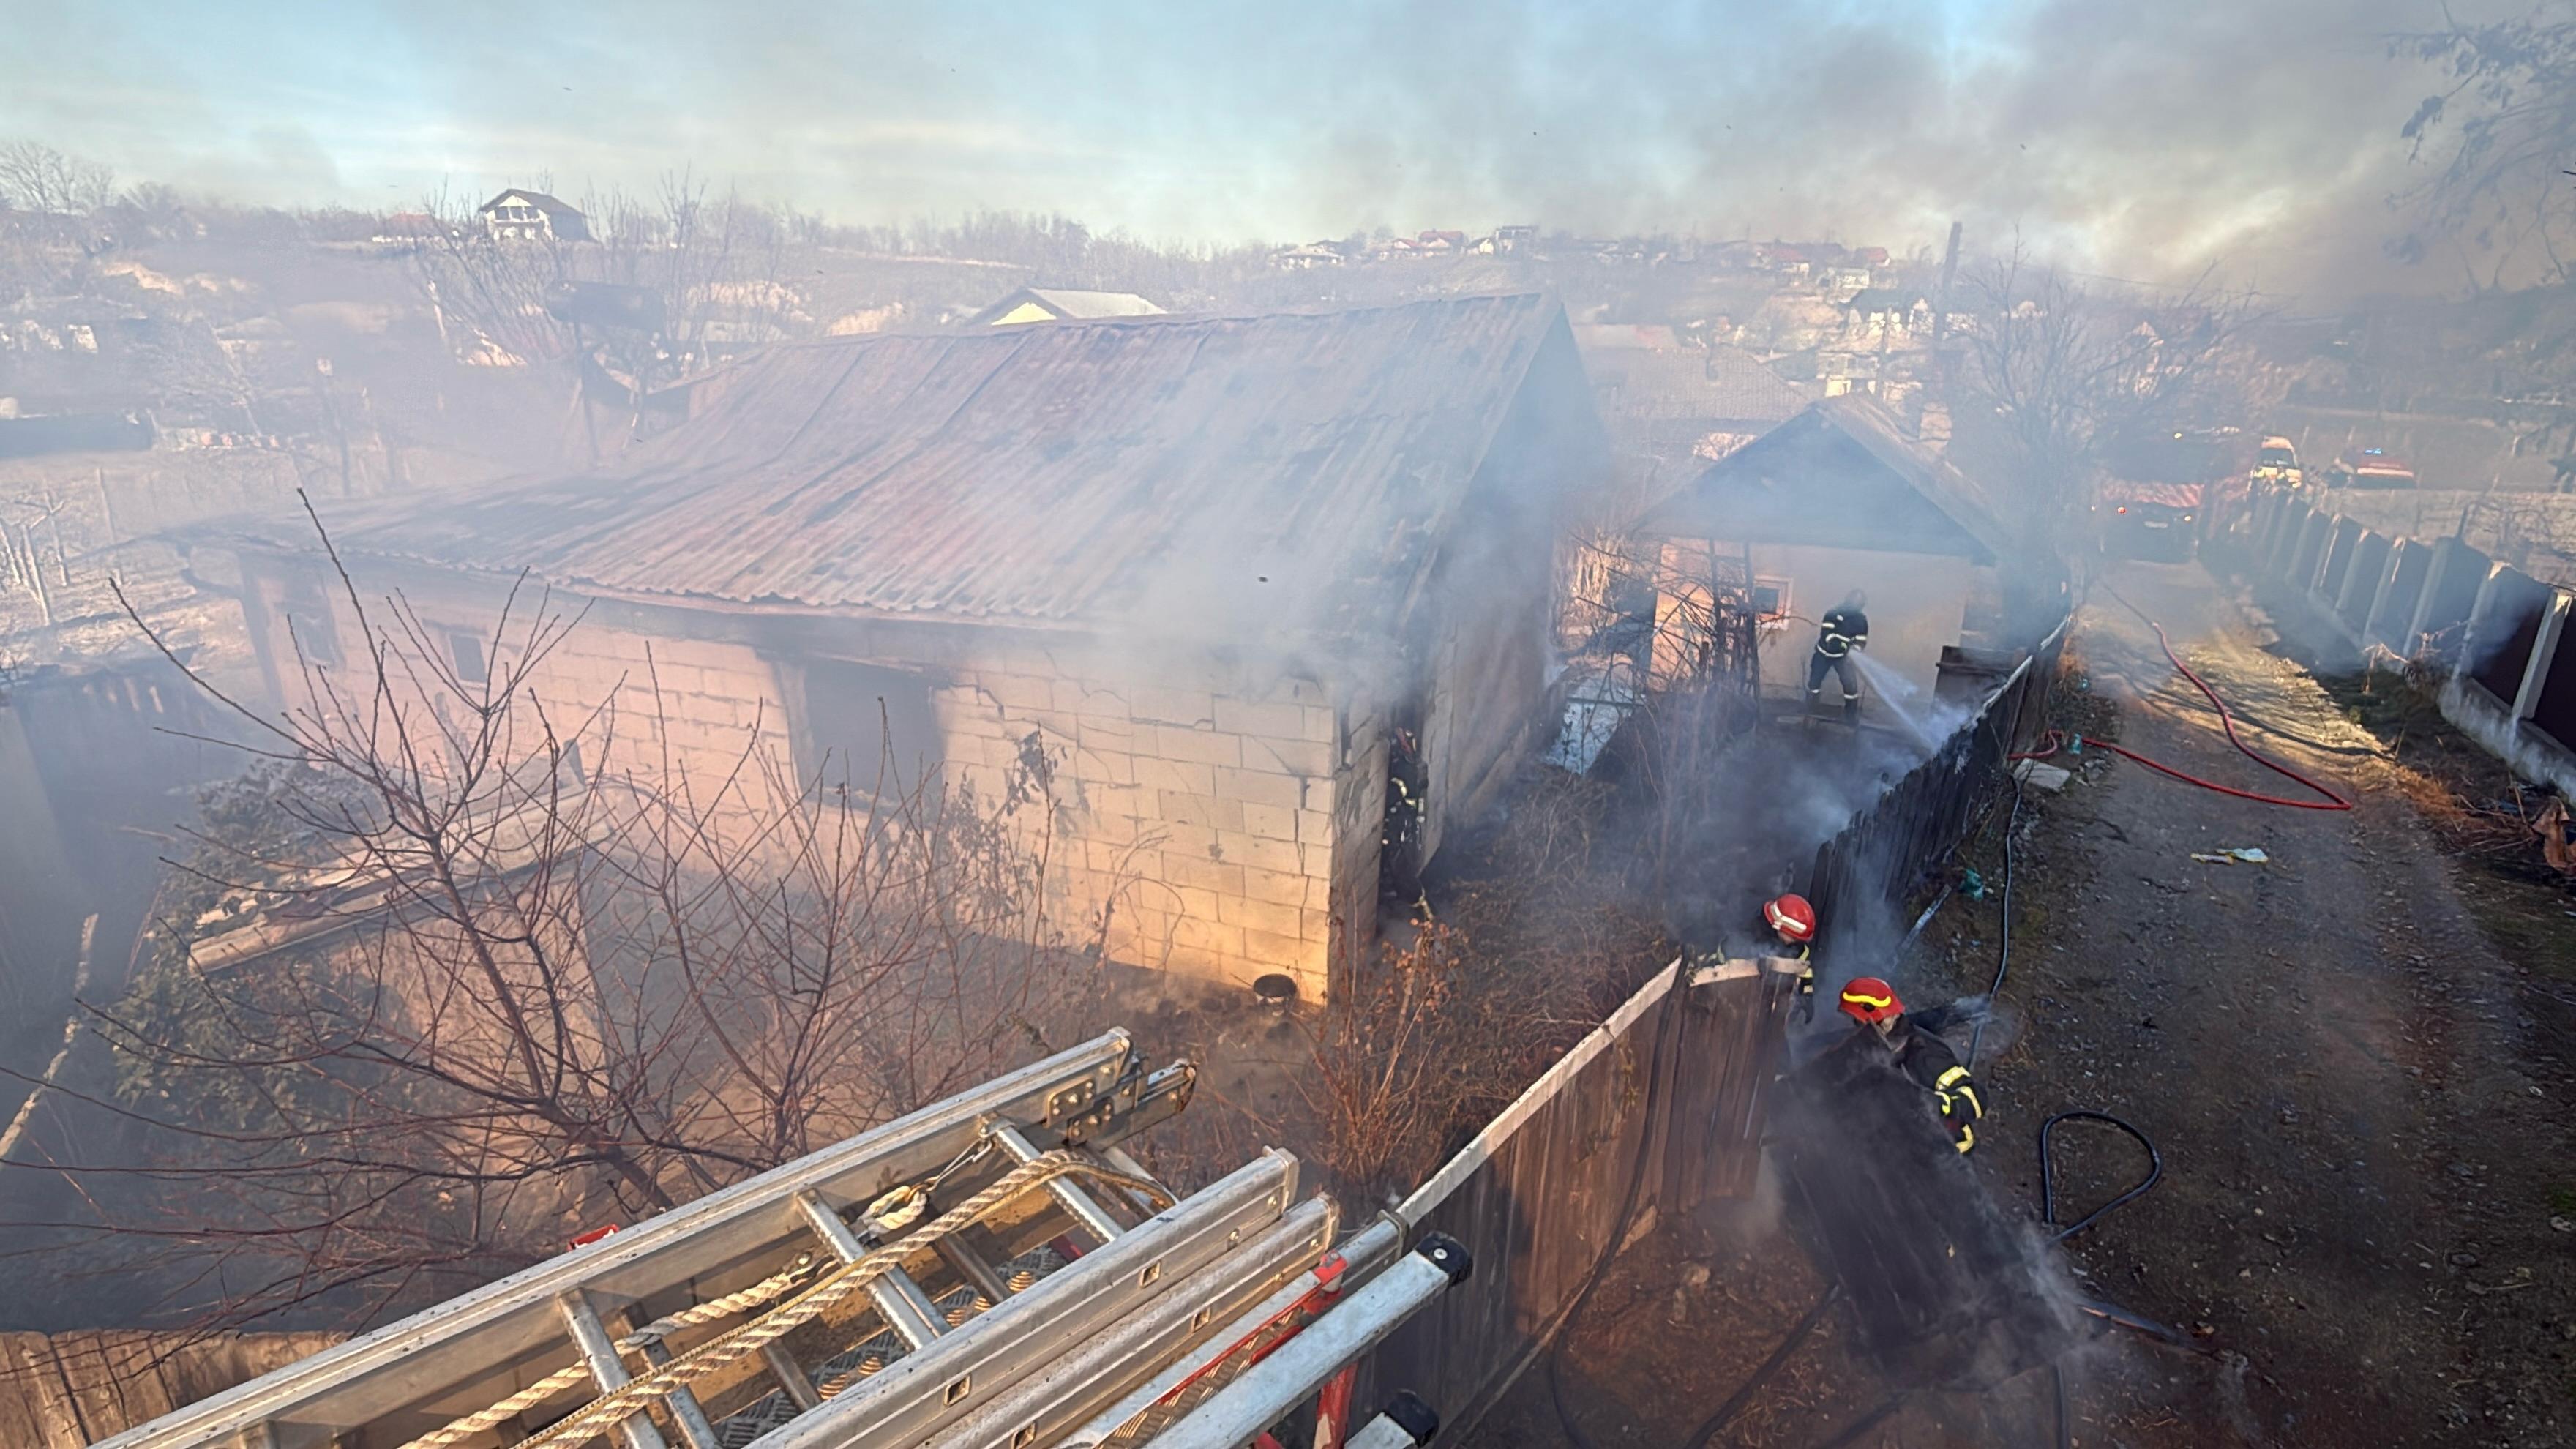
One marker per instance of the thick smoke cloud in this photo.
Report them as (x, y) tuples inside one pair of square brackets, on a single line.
[(2142, 141)]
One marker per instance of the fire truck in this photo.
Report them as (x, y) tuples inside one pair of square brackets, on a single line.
[(2150, 520)]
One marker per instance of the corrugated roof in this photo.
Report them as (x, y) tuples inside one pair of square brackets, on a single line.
[(1032, 473)]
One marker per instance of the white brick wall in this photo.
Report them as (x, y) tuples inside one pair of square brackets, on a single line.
[(1203, 815)]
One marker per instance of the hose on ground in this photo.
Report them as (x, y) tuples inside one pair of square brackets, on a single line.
[(2003, 938), (2051, 741), (2048, 1170)]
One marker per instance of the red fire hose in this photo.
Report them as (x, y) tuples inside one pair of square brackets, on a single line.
[(2050, 743)]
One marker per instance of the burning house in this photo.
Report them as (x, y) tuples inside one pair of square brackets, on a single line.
[(1185, 576)]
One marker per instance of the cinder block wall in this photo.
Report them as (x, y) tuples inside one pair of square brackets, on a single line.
[(1197, 813)]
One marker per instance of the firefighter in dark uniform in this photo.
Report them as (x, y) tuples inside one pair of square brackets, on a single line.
[(1793, 922), (1919, 1053), (1843, 630), (1400, 857)]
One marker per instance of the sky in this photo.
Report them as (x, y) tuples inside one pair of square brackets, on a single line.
[(2147, 141)]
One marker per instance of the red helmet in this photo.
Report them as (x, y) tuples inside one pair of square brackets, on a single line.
[(1871, 1000), (1791, 918)]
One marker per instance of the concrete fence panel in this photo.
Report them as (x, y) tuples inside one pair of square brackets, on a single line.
[(2502, 633), (2410, 562), (2551, 689), (2308, 553), (2458, 576), (2284, 543), (2341, 541), (2363, 578)]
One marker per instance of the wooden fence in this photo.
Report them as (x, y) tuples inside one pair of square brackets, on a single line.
[(1655, 1111), (1889, 847)]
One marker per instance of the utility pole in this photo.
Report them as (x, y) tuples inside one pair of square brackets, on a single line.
[(1948, 274), (1941, 307)]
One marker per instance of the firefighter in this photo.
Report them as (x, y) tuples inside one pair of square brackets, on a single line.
[(1844, 629), (1919, 1053), (1793, 924), (1400, 869)]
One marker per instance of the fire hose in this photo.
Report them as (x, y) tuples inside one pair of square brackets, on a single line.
[(2051, 741)]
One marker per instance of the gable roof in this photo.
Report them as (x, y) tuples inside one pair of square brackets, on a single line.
[(1037, 474), (1069, 304), (565, 218), (550, 205), (1841, 473)]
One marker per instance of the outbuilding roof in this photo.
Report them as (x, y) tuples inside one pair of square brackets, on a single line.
[(1842, 473)]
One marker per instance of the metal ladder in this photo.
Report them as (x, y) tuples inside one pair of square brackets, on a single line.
[(985, 1296), (757, 1243)]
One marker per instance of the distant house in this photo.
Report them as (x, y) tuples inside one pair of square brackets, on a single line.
[(1170, 588), (1308, 257), (1780, 257), (1839, 498), (1061, 304), (1447, 243), (1511, 240), (1869, 256), (532, 216)]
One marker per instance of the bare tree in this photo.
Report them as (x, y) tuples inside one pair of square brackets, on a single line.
[(2058, 374), (1414, 1050), (2500, 138), (37, 177), (452, 979)]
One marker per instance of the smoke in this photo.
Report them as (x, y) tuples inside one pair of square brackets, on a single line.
[(2146, 142)]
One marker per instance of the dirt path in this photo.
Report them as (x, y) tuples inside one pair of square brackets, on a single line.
[(2359, 1157)]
